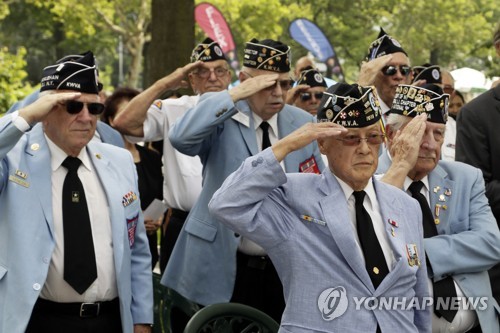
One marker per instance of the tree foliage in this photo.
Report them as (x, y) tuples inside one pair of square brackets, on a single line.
[(12, 75)]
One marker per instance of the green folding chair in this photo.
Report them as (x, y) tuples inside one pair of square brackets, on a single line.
[(231, 317), (165, 299)]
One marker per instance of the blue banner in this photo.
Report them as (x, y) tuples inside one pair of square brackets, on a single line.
[(310, 36)]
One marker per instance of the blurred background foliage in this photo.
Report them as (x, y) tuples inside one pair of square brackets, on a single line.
[(34, 33)]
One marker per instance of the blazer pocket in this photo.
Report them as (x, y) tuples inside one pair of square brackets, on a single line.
[(3, 271), (201, 229)]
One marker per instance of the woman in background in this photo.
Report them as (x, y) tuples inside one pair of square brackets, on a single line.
[(148, 163)]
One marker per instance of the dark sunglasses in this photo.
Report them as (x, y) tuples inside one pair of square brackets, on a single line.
[(304, 97), (74, 107), (391, 70)]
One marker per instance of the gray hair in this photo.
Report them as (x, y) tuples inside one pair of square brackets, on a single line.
[(396, 121)]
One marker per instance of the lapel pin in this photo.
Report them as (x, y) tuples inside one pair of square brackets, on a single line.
[(442, 198), (436, 210), (35, 146), (75, 196), (393, 233), (436, 221), (98, 156), (447, 192), (21, 174), (393, 223), (412, 255), (436, 189), (312, 219)]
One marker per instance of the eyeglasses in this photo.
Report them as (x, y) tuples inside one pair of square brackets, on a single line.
[(284, 84), (205, 73), (304, 97), (391, 70), (354, 140), (74, 107)]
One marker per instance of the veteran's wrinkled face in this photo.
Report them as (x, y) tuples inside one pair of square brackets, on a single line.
[(353, 156), (386, 84), (429, 153), (211, 76), (269, 101), (72, 132)]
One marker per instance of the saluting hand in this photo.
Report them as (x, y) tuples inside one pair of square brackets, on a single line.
[(177, 79), (251, 85), (39, 109), (293, 93), (405, 144), (304, 136), (370, 69)]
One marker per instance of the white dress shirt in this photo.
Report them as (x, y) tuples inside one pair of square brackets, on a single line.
[(182, 173), (247, 246), (104, 287), (450, 135)]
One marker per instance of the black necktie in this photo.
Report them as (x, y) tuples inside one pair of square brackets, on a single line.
[(446, 287), (80, 269), (374, 257), (266, 142)]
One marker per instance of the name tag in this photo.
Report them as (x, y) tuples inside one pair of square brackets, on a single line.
[(19, 181)]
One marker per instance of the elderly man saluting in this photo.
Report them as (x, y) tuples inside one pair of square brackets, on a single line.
[(462, 240), (338, 236), (74, 256)]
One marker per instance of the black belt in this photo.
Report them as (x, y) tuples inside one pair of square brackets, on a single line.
[(178, 213), (83, 310), (257, 262)]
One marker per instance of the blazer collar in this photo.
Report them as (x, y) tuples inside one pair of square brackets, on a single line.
[(246, 125), (39, 167)]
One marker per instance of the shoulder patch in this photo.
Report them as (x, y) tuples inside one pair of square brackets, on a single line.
[(158, 104)]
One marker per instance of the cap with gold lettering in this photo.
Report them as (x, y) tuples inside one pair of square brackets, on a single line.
[(350, 105), (268, 54), (411, 101), (207, 51)]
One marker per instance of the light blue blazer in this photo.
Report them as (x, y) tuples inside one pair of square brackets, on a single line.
[(26, 226), (303, 222), (203, 263), (468, 243)]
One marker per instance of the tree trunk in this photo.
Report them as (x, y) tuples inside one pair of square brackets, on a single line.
[(132, 78), (172, 38)]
